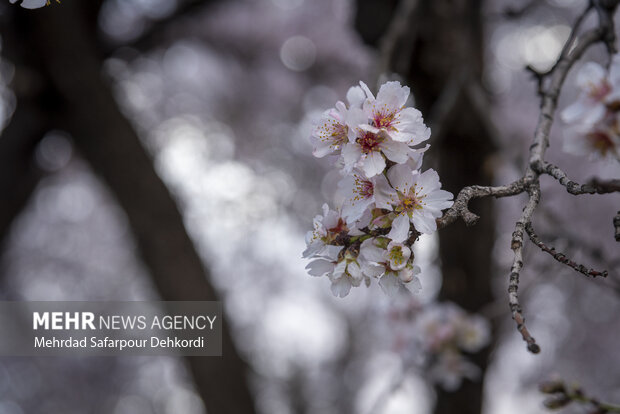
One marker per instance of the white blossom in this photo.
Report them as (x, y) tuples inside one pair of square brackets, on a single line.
[(331, 132), (473, 333), (362, 193), (389, 116), (343, 270), (419, 201), (598, 142), (366, 135), (32, 4), (326, 263), (368, 150), (391, 262), (327, 228), (383, 129), (346, 275), (450, 369), (599, 90)]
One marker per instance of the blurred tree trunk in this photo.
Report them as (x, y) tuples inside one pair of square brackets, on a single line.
[(58, 46), (443, 67)]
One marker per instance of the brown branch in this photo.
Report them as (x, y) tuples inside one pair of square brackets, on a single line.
[(549, 96), (460, 208), (595, 186), (561, 257), (530, 182), (516, 245)]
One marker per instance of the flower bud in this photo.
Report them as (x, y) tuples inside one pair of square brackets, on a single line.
[(552, 387), (557, 402)]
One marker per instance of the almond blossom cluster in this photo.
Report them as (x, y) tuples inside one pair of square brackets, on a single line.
[(442, 335), (594, 118), (387, 201)]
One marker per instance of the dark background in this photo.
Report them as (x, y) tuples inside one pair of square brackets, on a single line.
[(157, 149)]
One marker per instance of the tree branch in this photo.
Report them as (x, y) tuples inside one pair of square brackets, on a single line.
[(595, 186), (460, 208), (561, 257), (573, 49)]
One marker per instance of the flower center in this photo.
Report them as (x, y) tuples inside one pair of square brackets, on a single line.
[(598, 92), (363, 189), (600, 141), (369, 142), (411, 201), (396, 255), (383, 120), (334, 132), (335, 231)]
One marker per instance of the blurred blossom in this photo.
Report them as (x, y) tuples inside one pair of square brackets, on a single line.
[(298, 53), (288, 4), (155, 9), (54, 151), (569, 3), (132, 404), (541, 45), (10, 407), (594, 119), (184, 401), (300, 324), (120, 20), (436, 338)]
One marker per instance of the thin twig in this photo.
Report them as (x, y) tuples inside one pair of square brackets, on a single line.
[(561, 257), (562, 395), (516, 244)]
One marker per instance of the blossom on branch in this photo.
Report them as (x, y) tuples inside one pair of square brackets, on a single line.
[(391, 262), (369, 234), (372, 130), (360, 193), (419, 200)]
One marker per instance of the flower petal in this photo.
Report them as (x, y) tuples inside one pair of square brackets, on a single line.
[(341, 287), (395, 151), (373, 164), (424, 222), (400, 229), (356, 96), (370, 252), (401, 177), (319, 267), (590, 74), (390, 284)]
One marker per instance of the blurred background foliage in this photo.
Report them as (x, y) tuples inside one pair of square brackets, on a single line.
[(157, 149)]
